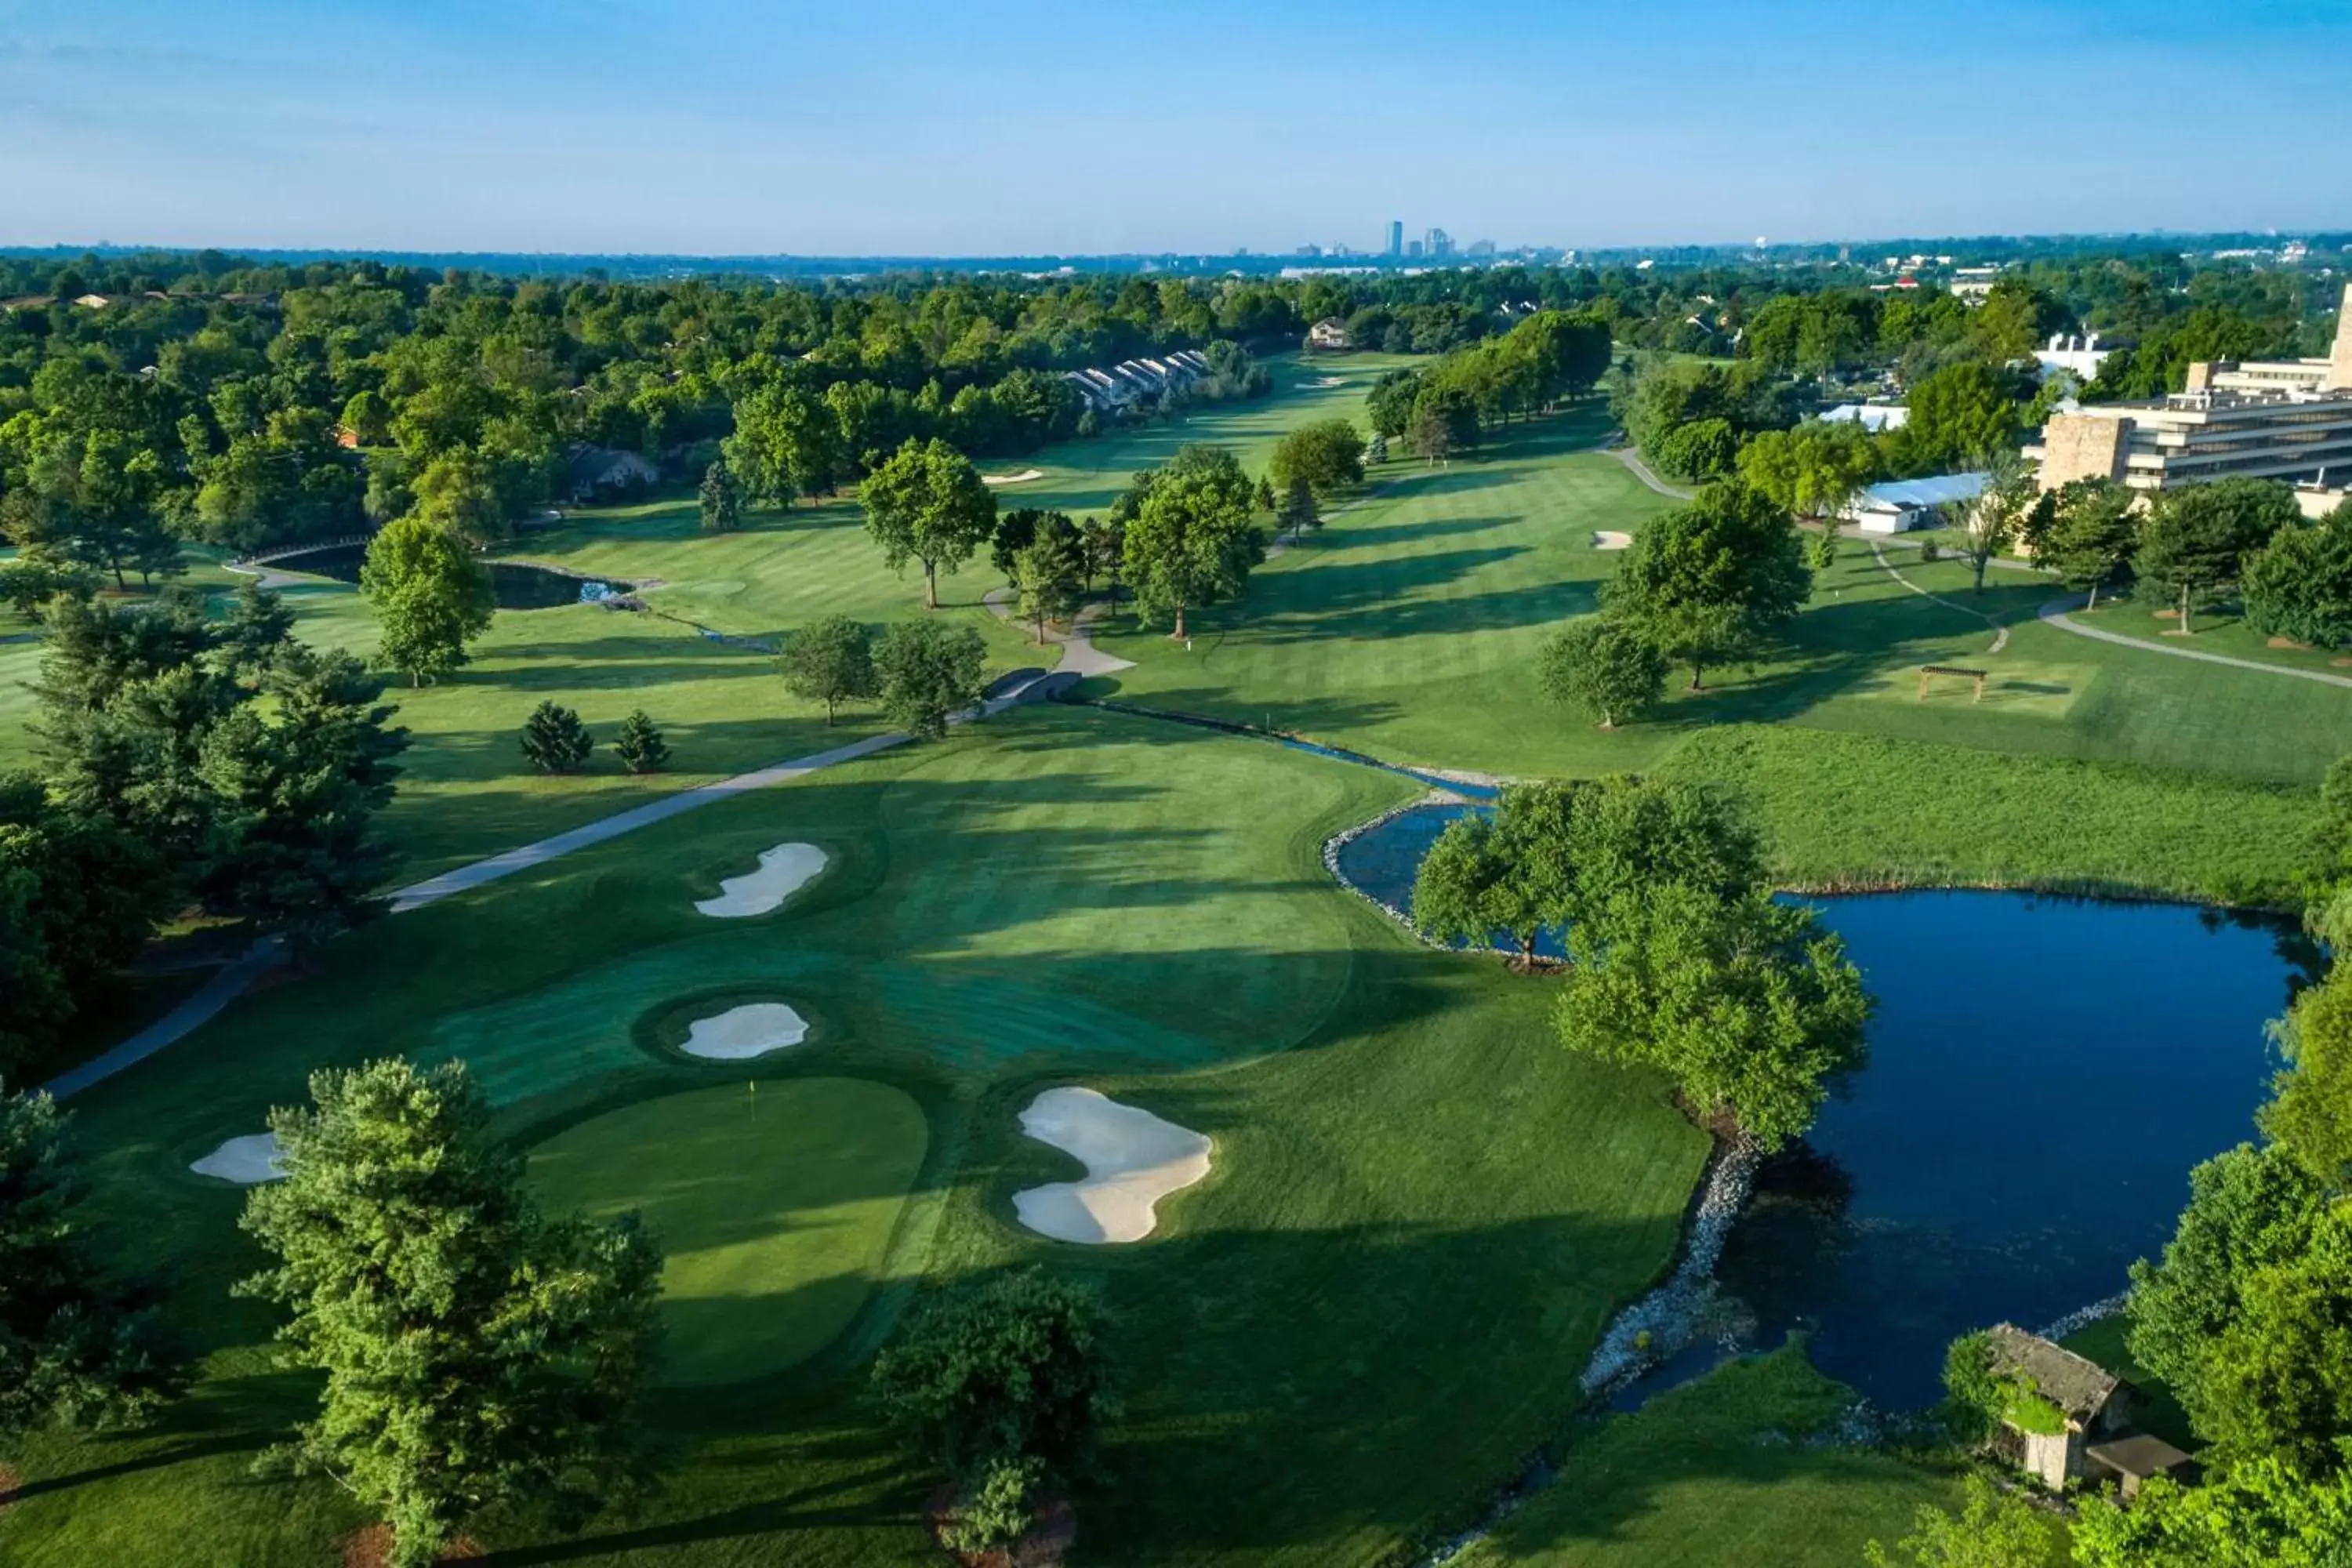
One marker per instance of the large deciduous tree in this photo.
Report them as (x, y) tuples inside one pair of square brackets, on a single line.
[(477, 1355), (2299, 585), (1327, 454), (2251, 1211), (1814, 469), (1714, 580), (1748, 1005), (1957, 413), (431, 597), (785, 443), (1501, 874), (928, 672), (927, 505), (1604, 665), (1190, 542), (831, 660), (2261, 1513), (77, 1346), (2194, 542)]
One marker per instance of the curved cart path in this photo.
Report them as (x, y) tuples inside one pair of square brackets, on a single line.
[(1641, 470), (2056, 614), (2000, 632), (1079, 655), (235, 977)]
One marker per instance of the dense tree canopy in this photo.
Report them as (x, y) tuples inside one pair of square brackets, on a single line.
[(1713, 580), (78, 1346), (1190, 539), (2194, 542), (2299, 585)]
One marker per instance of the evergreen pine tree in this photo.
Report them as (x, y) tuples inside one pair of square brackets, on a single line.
[(722, 500), (555, 741), (640, 746)]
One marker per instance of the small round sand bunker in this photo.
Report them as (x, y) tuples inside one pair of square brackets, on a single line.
[(741, 1033), (1133, 1158), (245, 1161), (1610, 539), (782, 872)]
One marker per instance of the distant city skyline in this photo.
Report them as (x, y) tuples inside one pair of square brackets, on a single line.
[(701, 127)]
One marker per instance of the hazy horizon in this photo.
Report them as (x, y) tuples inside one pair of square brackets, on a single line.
[(1044, 128)]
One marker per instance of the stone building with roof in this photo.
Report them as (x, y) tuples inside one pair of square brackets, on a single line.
[(2091, 1408)]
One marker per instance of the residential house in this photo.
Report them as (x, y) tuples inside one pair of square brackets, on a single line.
[(602, 473), (1331, 333)]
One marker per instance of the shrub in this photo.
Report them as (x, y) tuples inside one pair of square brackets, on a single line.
[(640, 746), (554, 740)]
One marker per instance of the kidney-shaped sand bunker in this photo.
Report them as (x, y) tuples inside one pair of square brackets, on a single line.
[(1133, 1158), (782, 871)]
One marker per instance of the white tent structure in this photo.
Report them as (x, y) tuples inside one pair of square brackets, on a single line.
[(1900, 505)]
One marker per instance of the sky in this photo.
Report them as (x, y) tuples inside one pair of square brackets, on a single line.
[(1041, 126)]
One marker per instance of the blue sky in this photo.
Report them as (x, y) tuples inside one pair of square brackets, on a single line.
[(927, 127)]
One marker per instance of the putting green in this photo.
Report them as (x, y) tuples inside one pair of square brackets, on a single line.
[(773, 1207)]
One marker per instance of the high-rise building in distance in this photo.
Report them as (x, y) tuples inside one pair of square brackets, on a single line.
[(1436, 243), (1396, 237)]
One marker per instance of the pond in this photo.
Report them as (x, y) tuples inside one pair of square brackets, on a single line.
[(518, 586), (2042, 1074)]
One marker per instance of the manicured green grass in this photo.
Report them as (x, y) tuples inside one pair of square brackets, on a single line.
[(1727, 1470), (773, 1211), (1421, 1209)]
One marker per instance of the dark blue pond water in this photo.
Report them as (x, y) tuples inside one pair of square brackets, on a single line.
[(516, 585), (2042, 1074)]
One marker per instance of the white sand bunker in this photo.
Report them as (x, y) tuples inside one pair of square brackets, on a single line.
[(1023, 477), (1331, 380), (1133, 1158), (254, 1157), (740, 1033), (1609, 538), (782, 872)]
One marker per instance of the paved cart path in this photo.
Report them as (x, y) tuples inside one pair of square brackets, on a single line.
[(235, 977), (2056, 614)]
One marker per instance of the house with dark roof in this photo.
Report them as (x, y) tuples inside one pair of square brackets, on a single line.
[(602, 473)]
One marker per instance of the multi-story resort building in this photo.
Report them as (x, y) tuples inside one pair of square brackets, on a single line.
[(2280, 419)]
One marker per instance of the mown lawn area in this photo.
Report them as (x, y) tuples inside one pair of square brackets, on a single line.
[(1734, 1468), (1420, 1214)]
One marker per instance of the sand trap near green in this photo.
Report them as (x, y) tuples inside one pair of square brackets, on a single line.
[(782, 872), (773, 1208), (740, 1033), (1133, 1158)]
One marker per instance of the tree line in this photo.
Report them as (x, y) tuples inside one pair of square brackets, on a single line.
[(183, 759)]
